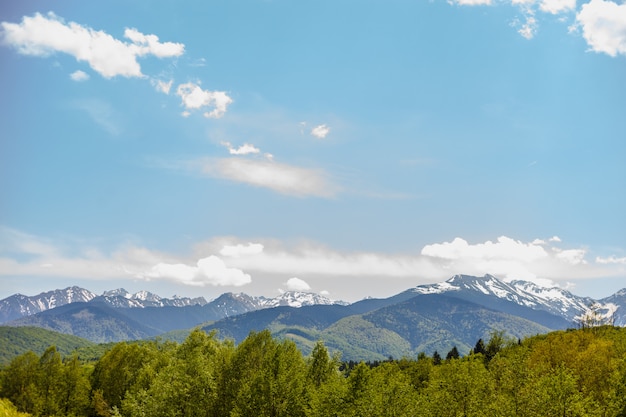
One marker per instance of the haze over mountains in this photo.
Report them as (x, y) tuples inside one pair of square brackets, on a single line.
[(425, 318)]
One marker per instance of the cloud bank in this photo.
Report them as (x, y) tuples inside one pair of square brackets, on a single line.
[(225, 262), (41, 35), (207, 271)]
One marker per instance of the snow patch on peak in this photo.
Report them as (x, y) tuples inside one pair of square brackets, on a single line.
[(145, 296), (120, 292), (438, 288)]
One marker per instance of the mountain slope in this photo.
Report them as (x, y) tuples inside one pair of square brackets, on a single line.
[(312, 318), (491, 290), (19, 305), (424, 322), (15, 341), (614, 307), (97, 322), (439, 322)]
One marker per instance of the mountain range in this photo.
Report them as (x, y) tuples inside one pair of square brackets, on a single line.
[(426, 318)]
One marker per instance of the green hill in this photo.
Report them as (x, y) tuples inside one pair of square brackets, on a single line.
[(17, 340)]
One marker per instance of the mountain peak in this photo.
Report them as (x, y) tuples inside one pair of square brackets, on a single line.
[(120, 292)]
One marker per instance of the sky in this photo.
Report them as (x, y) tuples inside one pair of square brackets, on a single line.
[(353, 149)]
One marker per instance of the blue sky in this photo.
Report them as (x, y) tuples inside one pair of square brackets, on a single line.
[(350, 148)]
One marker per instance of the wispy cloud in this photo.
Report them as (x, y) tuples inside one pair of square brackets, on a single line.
[(282, 178), (79, 76), (163, 86), (472, 2), (102, 113), (611, 260), (41, 35)]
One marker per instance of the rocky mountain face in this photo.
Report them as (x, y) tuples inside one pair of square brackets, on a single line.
[(123, 299), (614, 307), (228, 304), (556, 301), (19, 305)]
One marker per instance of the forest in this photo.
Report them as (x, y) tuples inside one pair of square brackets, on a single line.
[(578, 372)]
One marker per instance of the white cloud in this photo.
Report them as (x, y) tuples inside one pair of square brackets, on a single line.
[(150, 45), (79, 76), (235, 251), (244, 149), (282, 178), (208, 271), (510, 259), (473, 2), (503, 248), (43, 35), (611, 260), (529, 28), (297, 284), (25, 255), (193, 98), (573, 256), (320, 131), (163, 86), (555, 239), (557, 6), (604, 26)]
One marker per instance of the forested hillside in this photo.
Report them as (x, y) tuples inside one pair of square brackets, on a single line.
[(566, 373), (15, 341)]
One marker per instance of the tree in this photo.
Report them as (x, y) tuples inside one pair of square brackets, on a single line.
[(75, 388), (47, 400), (118, 370), (436, 358), (321, 366), (496, 342), (19, 379), (278, 388), (186, 385), (460, 387), (453, 354), (479, 348)]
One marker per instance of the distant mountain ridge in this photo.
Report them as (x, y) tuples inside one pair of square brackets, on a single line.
[(554, 300), (426, 317), (19, 305)]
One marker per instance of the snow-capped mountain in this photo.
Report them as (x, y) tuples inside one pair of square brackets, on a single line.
[(19, 305), (556, 301), (615, 306), (123, 299), (297, 299), (229, 304)]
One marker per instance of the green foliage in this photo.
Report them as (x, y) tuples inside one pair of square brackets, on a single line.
[(46, 385), (568, 373), (15, 341), (7, 409)]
